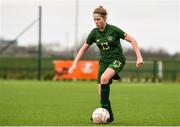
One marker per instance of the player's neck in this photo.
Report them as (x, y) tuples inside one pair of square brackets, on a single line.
[(102, 29)]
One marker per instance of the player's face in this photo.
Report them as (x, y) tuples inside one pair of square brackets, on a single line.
[(99, 21)]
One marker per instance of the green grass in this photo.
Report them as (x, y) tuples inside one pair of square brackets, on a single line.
[(71, 103)]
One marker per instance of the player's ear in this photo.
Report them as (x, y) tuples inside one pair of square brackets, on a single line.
[(105, 18)]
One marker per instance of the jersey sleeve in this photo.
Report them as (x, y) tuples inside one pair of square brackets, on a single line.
[(90, 38), (121, 34)]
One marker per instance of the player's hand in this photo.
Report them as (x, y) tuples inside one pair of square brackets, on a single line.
[(139, 63), (72, 68)]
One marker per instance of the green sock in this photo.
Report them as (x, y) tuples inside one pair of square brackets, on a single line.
[(105, 102), (105, 95), (110, 111)]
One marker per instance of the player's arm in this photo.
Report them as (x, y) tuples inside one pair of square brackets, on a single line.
[(136, 49), (78, 57)]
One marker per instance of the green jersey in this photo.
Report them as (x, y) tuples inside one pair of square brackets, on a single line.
[(108, 42)]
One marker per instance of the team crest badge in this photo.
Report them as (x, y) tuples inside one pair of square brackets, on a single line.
[(97, 40), (110, 38)]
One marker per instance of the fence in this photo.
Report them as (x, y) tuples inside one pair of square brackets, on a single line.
[(151, 71)]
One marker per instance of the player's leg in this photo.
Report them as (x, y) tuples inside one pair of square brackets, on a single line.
[(107, 75), (109, 103), (113, 70), (105, 91), (102, 68), (99, 89)]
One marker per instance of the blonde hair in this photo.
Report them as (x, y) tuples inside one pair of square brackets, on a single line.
[(100, 10)]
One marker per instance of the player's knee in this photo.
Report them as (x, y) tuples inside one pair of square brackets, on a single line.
[(104, 80)]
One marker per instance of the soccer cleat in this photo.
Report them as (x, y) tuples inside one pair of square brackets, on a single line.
[(111, 117), (110, 120)]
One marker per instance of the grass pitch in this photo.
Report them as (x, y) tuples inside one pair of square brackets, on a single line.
[(72, 103)]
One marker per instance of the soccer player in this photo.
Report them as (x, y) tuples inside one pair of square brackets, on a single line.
[(107, 38)]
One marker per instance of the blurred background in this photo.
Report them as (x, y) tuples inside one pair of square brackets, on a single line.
[(34, 33)]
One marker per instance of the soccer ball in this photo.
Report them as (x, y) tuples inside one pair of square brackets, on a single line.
[(100, 115)]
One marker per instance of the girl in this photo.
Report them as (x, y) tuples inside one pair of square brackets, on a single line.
[(107, 38)]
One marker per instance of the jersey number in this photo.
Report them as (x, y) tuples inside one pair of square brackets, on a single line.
[(105, 45)]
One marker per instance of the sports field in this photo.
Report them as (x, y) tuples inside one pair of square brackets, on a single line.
[(71, 103)]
